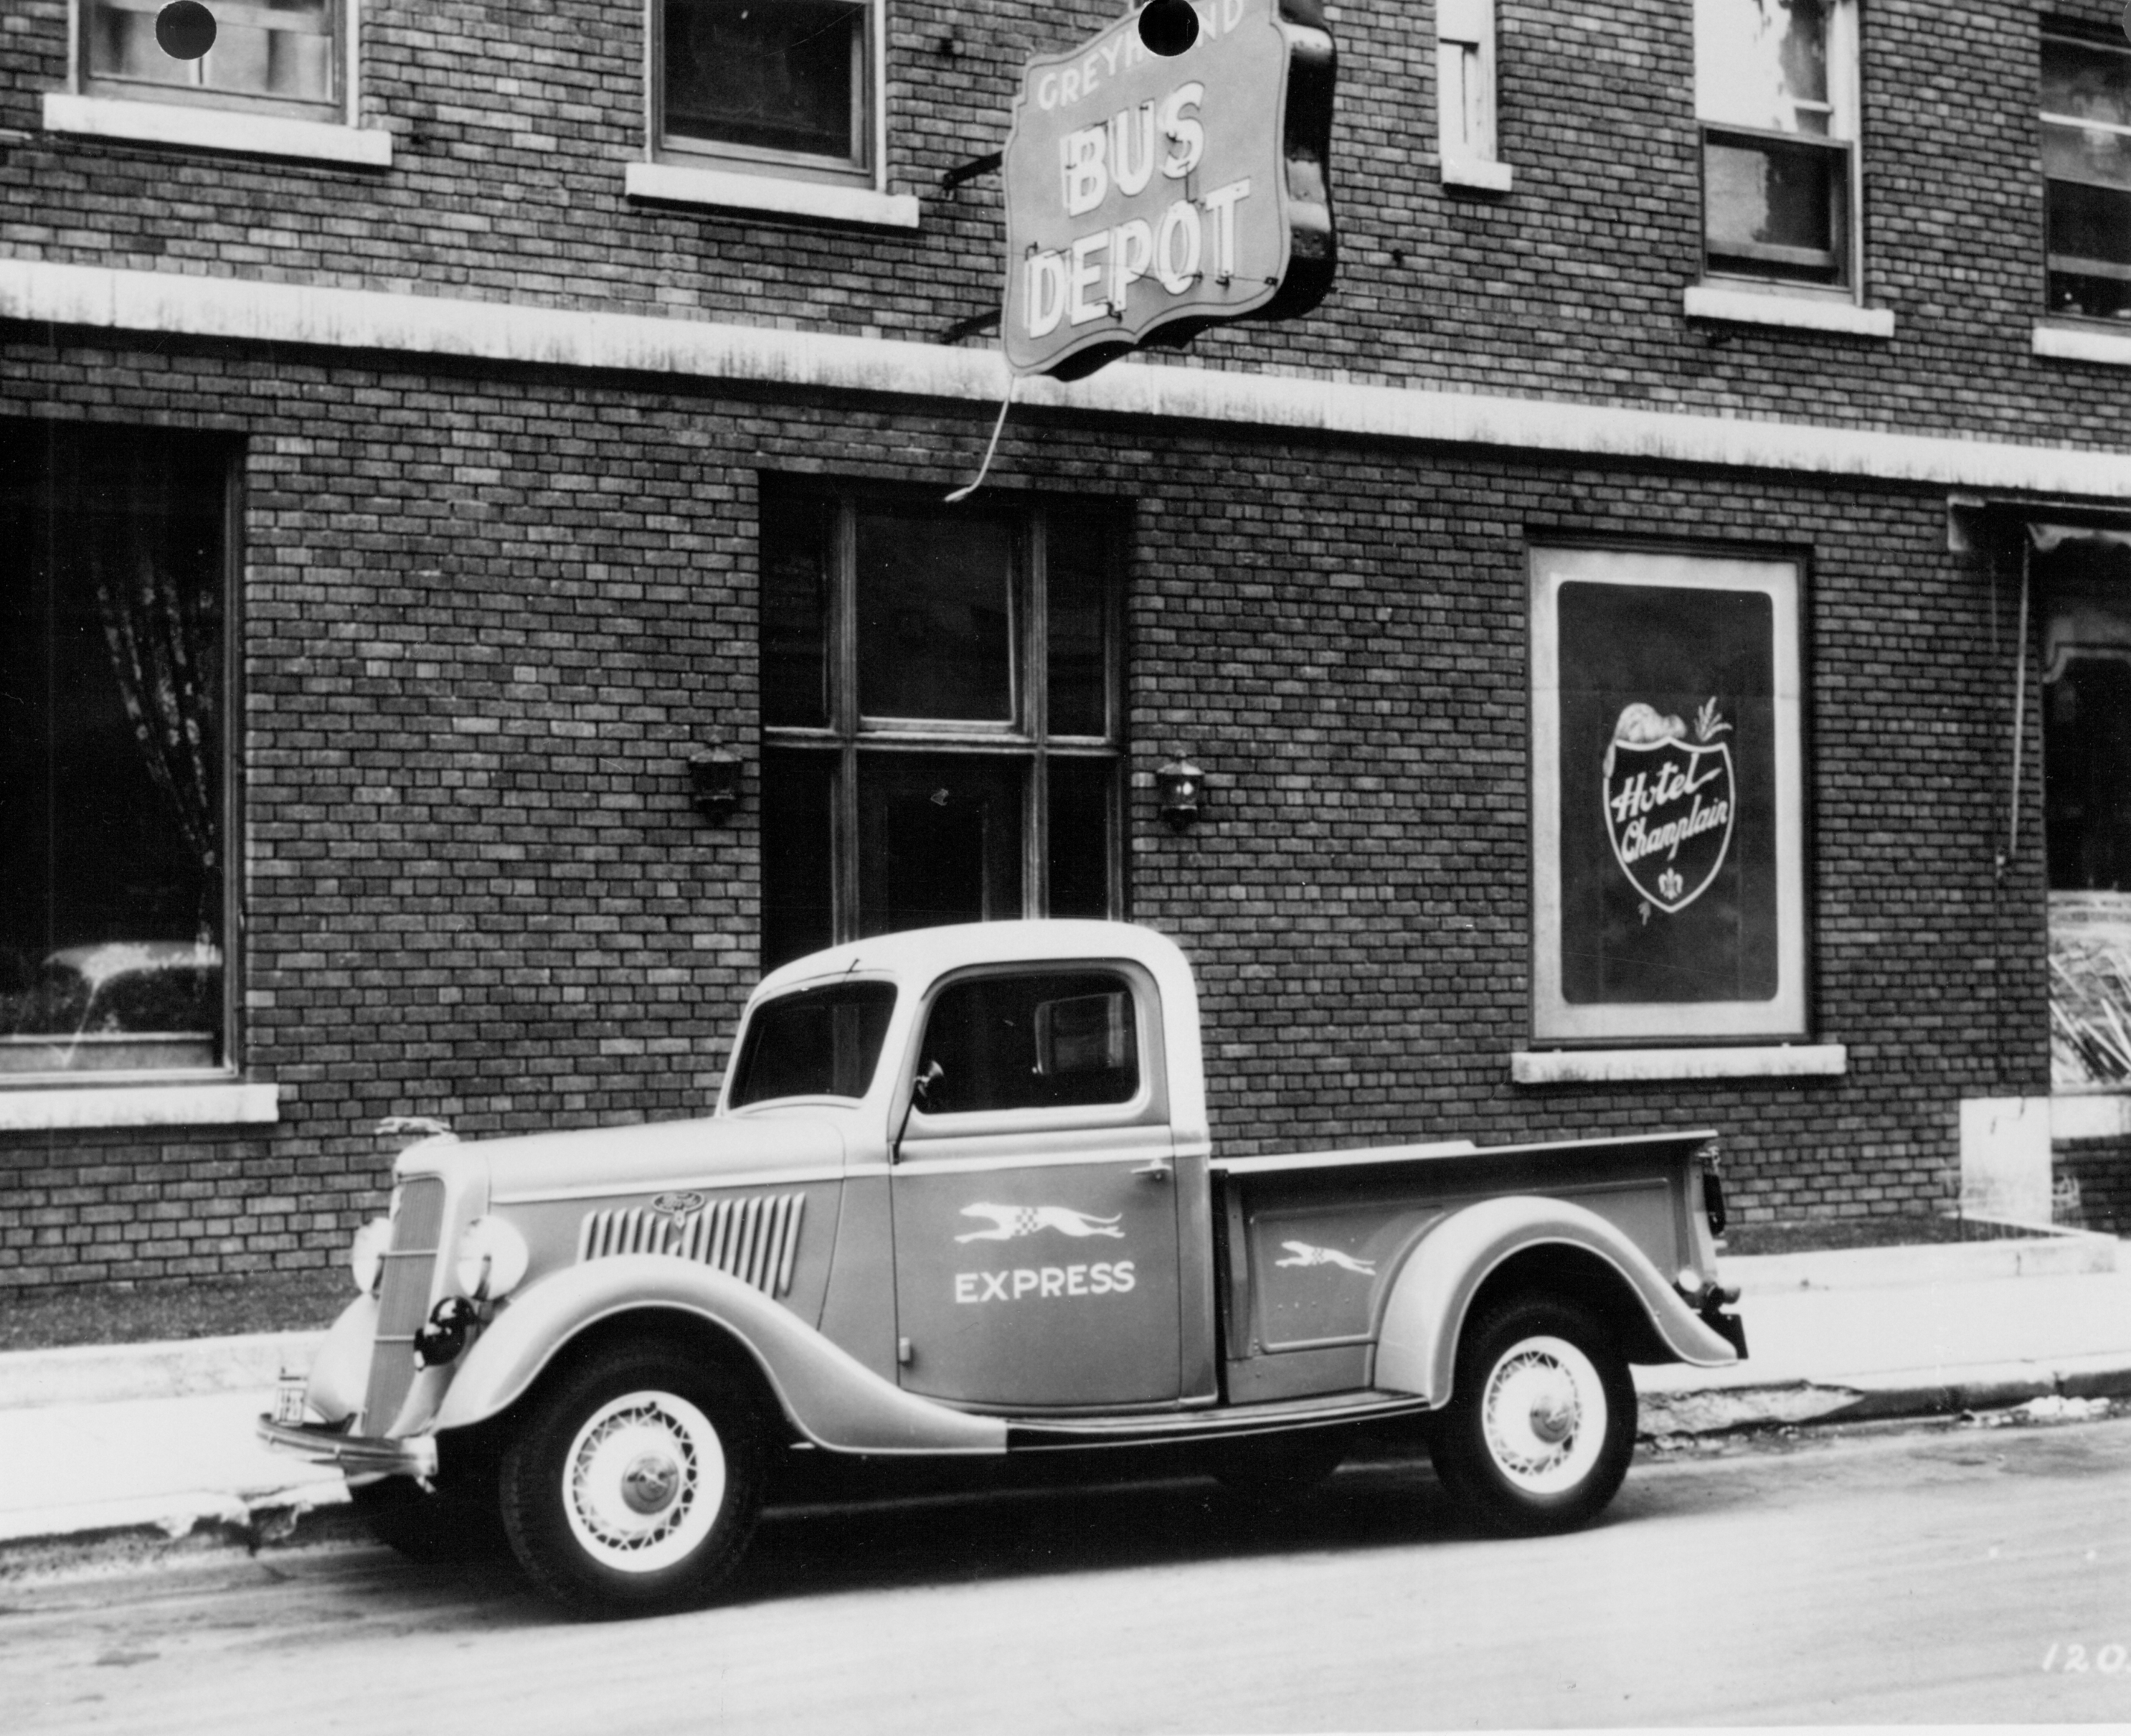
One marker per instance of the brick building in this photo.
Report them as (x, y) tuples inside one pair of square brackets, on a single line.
[(427, 430)]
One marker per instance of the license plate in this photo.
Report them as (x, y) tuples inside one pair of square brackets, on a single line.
[(289, 1400)]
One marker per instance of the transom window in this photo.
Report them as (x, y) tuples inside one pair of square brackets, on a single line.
[(2087, 160), (939, 712), (278, 55), (1775, 92), (784, 84)]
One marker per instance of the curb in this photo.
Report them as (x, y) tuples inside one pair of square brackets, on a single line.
[(1880, 1397), (206, 1540)]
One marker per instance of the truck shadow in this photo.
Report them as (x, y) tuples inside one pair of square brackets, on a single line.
[(929, 1534)]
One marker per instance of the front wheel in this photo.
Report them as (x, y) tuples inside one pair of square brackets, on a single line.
[(1541, 1421), (635, 1484)]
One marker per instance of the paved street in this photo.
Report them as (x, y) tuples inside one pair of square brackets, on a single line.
[(1962, 1574)]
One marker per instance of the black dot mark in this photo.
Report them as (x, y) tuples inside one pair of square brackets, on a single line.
[(185, 30), (1168, 26)]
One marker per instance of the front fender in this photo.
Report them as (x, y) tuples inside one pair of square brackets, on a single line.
[(1417, 1347), (340, 1372), (833, 1400)]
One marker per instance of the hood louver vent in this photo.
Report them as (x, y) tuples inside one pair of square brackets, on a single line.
[(755, 1239)]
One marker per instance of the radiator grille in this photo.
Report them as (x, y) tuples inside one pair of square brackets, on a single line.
[(403, 1300), (756, 1239)]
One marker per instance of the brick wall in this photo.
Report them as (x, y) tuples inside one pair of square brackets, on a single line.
[(2101, 1169), (487, 613), (513, 124)]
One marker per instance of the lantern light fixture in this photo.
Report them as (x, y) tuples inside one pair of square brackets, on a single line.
[(1182, 787), (714, 780)]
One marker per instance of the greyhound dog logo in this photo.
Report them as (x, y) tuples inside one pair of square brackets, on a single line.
[(1010, 1221), (1302, 1254)]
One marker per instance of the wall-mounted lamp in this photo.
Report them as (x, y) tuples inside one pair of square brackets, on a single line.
[(1181, 785), (714, 781)]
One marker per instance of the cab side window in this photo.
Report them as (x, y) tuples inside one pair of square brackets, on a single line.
[(1038, 1041)]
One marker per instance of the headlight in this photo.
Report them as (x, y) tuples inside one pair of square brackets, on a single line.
[(366, 1254), (492, 1259)]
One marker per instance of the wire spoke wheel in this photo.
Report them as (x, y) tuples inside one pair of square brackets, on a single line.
[(645, 1479), (635, 1482), (1541, 1420), (1544, 1415)]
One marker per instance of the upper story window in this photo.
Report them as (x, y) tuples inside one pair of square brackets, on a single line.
[(2086, 158), (277, 56), (1465, 94), (1776, 94), (784, 86), (113, 661), (940, 715)]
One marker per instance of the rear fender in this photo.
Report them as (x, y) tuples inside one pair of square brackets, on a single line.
[(1417, 1347), (832, 1398)]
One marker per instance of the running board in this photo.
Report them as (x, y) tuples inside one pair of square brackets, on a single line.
[(1038, 1435)]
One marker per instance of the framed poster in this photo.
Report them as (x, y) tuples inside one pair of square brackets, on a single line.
[(1668, 859)]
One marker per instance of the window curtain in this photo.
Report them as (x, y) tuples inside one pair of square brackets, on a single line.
[(162, 644)]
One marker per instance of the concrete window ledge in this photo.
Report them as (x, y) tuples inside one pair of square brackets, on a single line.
[(217, 129), (1471, 172), (1800, 313), (674, 183), (1613, 1066), (217, 1103), (2083, 343)]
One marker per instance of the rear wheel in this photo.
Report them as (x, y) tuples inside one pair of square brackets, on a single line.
[(635, 1482), (1541, 1421)]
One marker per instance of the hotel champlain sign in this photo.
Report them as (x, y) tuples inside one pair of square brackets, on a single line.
[(1150, 196)]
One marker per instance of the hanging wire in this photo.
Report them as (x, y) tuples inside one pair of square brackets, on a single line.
[(984, 469)]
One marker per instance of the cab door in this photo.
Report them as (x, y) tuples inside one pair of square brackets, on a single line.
[(1035, 1195)]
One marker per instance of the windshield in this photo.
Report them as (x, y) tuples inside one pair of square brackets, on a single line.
[(815, 1042)]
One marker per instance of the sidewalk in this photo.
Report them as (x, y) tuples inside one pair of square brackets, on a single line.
[(139, 1449)]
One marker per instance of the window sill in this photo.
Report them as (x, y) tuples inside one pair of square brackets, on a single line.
[(2084, 343), (672, 183), (219, 1103), (217, 129), (1487, 177), (1800, 312), (1610, 1067)]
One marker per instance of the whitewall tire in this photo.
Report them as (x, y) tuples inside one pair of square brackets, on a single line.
[(1541, 1421), (635, 1482)]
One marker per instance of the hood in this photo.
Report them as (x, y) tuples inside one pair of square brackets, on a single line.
[(720, 1153)]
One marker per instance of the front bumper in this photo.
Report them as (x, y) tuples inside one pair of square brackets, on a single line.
[(357, 1455)]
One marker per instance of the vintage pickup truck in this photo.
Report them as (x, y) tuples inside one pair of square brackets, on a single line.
[(959, 1196)]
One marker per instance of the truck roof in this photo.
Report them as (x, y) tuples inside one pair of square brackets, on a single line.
[(914, 957)]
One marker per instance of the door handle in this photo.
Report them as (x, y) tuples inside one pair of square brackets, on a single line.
[(1160, 1170)]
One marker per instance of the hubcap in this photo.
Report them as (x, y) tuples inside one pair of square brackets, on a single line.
[(651, 1482), (1544, 1415), (645, 1481)]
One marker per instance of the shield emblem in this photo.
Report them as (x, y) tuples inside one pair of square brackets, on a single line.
[(1670, 799)]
